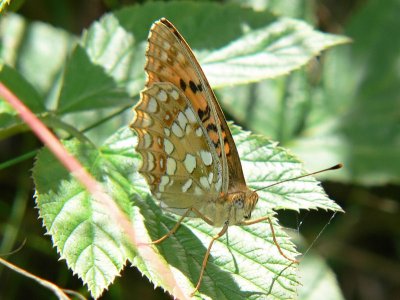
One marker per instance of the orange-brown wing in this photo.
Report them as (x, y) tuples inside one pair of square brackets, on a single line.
[(170, 59), (179, 161)]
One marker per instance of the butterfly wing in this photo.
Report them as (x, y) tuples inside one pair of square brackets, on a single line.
[(170, 59), (179, 163), (187, 148)]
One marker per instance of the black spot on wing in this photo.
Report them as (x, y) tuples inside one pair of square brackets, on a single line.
[(212, 127), (182, 83), (204, 115), (193, 86)]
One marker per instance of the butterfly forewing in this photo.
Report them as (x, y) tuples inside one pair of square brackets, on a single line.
[(189, 156), (170, 59)]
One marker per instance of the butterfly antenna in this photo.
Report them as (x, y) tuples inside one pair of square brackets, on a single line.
[(335, 167)]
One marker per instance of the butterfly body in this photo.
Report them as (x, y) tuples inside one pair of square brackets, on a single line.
[(232, 208)]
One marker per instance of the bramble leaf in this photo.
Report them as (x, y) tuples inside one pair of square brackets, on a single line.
[(243, 264)]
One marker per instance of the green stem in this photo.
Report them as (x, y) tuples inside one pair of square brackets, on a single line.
[(55, 122), (18, 159)]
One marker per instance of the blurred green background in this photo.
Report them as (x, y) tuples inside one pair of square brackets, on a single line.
[(354, 117)]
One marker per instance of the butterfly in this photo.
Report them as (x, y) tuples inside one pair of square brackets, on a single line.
[(189, 158)]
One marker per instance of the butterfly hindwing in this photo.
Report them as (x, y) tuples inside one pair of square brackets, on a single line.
[(178, 158)]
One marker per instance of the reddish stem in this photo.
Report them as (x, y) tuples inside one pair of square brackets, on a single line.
[(95, 188)]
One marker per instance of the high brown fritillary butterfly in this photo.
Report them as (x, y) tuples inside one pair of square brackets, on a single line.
[(189, 158)]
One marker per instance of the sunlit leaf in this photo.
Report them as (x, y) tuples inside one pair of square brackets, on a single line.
[(243, 264)]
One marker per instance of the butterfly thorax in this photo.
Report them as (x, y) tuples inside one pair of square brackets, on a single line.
[(234, 206)]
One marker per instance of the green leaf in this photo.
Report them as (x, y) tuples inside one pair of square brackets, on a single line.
[(12, 29), (10, 122), (300, 9), (265, 163), (107, 67), (243, 264), (109, 45), (356, 120), (87, 86), (248, 46), (43, 54), (341, 109), (269, 52), (319, 281), (199, 22), (21, 88), (277, 107), (93, 246), (37, 49)]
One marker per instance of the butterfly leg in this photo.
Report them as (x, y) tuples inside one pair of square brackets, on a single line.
[(250, 222), (203, 265), (175, 228)]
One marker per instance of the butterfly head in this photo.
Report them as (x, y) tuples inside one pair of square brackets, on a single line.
[(242, 204)]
